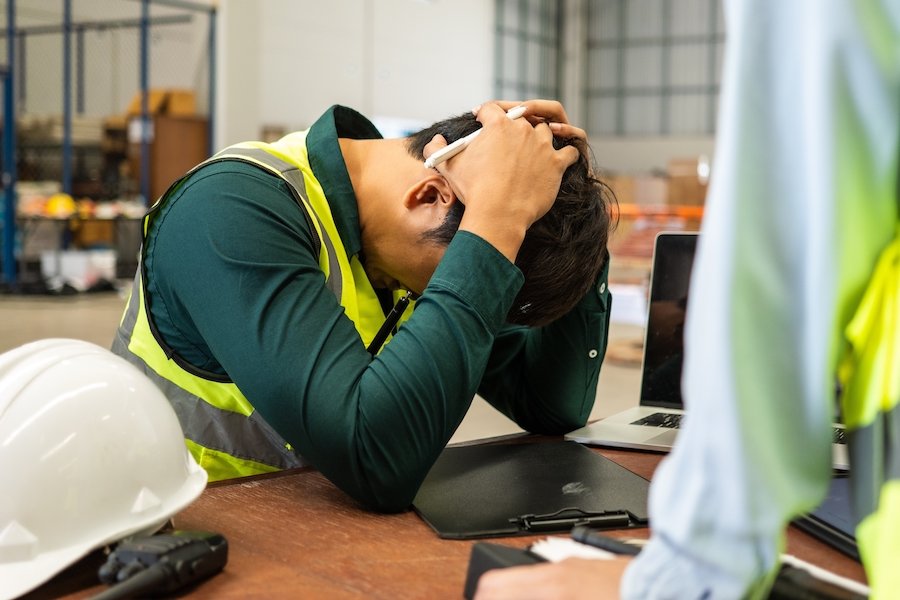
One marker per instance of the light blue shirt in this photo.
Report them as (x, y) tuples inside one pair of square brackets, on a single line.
[(802, 199)]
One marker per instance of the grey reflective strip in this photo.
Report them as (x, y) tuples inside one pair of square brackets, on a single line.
[(874, 459), (229, 432), (294, 177), (250, 438), (257, 154), (131, 313)]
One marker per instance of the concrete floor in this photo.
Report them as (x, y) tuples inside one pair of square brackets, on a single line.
[(94, 317)]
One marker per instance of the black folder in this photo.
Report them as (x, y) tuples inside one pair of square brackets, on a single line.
[(527, 489)]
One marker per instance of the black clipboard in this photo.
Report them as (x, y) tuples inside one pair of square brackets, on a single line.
[(528, 489)]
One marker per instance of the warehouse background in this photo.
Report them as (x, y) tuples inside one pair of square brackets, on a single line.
[(641, 76), (105, 102)]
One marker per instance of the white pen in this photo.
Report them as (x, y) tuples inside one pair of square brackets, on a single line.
[(451, 150)]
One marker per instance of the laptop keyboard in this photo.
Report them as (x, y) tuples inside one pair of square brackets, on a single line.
[(672, 421)]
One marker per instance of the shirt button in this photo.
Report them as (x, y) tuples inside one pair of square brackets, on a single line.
[(592, 354), (601, 288)]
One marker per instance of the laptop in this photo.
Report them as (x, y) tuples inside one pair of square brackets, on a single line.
[(654, 423)]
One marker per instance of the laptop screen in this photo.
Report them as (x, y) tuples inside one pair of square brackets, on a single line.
[(673, 257)]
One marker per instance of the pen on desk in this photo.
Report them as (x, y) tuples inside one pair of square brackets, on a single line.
[(389, 323), (451, 150), (588, 536)]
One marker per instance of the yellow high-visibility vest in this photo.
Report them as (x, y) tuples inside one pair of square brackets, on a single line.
[(222, 430), (870, 375)]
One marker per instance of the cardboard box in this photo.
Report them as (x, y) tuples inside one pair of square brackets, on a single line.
[(181, 103), (93, 234), (646, 190), (165, 101), (155, 102), (622, 186), (688, 179), (651, 190), (686, 191), (177, 144)]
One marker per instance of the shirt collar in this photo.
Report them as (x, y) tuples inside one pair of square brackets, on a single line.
[(328, 166)]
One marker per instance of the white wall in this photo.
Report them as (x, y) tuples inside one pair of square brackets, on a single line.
[(237, 73), (283, 62)]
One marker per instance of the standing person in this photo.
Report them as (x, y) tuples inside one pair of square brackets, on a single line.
[(267, 271), (797, 261)]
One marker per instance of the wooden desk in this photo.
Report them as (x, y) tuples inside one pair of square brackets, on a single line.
[(294, 535)]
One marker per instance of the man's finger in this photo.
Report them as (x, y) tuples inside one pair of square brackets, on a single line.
[(436, 143), (489, 112), (569, 155), (564, 130), (544, 130)]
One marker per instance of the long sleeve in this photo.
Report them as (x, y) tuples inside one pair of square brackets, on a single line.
[(545, 379), (233, 281), (803, 197)]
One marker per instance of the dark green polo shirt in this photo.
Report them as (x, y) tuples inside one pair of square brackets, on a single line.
[(235, 289)]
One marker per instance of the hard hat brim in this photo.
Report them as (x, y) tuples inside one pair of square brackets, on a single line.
[(21, 577), (24, 576)]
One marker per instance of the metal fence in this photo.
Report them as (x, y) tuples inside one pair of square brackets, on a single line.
[(81, 81)]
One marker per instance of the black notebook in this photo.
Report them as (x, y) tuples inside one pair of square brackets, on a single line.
[(527, 489)]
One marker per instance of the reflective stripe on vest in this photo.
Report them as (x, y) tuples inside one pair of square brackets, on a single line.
[(222, 429), (292, 175), (870, 374), (287, 158), (236, 431)]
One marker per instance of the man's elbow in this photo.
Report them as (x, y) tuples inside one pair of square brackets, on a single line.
[(389, 505), (558, 425), (385, 494)]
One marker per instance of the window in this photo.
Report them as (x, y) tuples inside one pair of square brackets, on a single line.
[(527, 49), (649, 67), (653, 66)]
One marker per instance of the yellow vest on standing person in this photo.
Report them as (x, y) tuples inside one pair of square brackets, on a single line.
[(870, 375)]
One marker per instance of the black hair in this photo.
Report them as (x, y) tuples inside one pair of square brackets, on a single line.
[(564, 251)]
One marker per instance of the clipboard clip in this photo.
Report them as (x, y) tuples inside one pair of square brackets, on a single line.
[(567, 518)]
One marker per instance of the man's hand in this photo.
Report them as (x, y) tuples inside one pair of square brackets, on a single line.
[(509, 177), (571, 579), (547, 111)]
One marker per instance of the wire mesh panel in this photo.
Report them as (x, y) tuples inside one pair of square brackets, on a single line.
[(79, 68), (653, 66), (87, 64)]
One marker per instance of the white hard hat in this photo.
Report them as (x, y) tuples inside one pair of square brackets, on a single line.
[(90, 452)]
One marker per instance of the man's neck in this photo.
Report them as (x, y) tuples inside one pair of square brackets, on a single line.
[(380, 171)]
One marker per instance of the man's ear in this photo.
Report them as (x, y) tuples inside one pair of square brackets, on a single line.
[(431, 189)]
